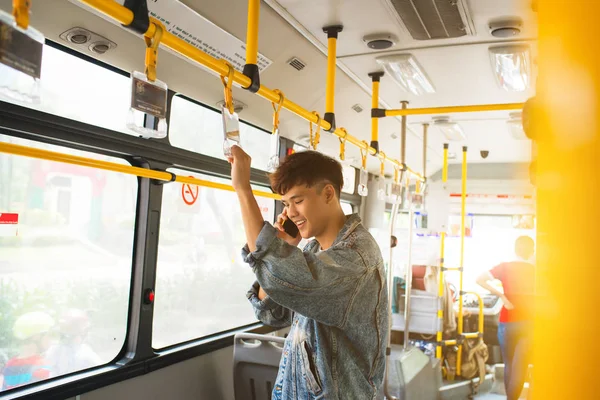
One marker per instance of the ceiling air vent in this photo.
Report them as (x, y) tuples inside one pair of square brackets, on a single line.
[(434, 19), (297, 63), (358, 108), (84, 39)]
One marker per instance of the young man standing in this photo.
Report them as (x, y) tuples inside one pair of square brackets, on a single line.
[(333, 294), (515, 332)]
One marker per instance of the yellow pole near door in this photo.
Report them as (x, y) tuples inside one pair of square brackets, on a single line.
[(440, 313), (463, 203), (567, 270)]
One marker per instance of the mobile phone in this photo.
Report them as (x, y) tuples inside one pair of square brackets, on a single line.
[(290, 228)]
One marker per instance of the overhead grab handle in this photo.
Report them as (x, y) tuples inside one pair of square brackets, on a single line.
[(148, 113), (381, 184), (363, 180), (343, 145), (21, 13), (152, 43), (396, 191), (231, 121), (275, 138), (21, 50), (315, 136)]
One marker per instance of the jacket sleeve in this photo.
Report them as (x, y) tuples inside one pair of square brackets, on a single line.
[(267, 311), (318, 286)]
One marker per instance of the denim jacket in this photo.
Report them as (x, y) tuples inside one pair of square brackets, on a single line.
[(336, 303)]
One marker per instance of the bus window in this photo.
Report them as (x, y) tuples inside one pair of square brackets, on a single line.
[(347, 208), (66, 240), (492, 243), (77, 89), (200, 129), (201, 278)]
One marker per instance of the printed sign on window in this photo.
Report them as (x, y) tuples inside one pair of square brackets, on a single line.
[(9, 223)]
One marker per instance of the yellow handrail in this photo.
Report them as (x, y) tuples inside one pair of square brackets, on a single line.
[(454, 109), (480, 323), (440, 314), (125, 16), (463, 204), (48, 155)]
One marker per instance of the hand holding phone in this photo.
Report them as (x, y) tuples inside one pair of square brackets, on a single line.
[(290, 228), (288, 231)]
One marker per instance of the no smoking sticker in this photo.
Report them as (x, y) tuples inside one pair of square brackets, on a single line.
[(189, 193)]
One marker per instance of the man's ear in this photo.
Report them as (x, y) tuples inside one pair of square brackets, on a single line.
[(329, 193)]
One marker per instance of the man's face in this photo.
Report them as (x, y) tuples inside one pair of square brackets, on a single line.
[(308, 208)]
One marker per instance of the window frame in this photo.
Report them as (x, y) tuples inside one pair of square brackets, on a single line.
[(137, 357)]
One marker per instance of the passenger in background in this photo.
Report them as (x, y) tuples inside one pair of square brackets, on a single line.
[(515, 332), (33, 330), (333, 293), (71, 353), (394, 241)]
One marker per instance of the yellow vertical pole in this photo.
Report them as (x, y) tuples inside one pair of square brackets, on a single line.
[(375, 78), (252, 31), (425, 129), (331, 67), (440, 314), (445, 166), (568, 130), (463, 203), (332, 36), (251, 69)]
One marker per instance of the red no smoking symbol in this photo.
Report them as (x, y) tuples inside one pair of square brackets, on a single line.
[(189, 193)]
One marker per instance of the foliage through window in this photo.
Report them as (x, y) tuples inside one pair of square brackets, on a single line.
[(66, 239)]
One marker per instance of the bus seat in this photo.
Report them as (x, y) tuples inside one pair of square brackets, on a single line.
[(255, 365), (418, 276)]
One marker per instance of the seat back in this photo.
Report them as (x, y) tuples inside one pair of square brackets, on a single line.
[(255, 365), (418, 276)]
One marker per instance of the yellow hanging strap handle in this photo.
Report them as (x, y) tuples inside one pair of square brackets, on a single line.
[(382, 167), (276, 110), (343, 144), (396, 174), (315, 137), (152, 44), (363, 154), (21, 12), (227, 92)]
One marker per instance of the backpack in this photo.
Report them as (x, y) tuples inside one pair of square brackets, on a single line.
[(474, 357)]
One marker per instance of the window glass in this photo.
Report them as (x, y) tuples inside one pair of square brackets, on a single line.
[(66, 239), (201, 281), (492, 242), (77, 89), (200, 129), (347, 208)]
